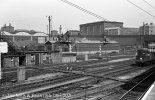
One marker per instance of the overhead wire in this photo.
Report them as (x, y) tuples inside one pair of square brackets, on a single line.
[(84, 10), (140, 8), (149, 4)]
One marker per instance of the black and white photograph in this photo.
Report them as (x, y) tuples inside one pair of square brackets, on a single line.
[(77, 50)]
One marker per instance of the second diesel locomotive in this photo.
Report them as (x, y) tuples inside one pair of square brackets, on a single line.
[(146, 56)]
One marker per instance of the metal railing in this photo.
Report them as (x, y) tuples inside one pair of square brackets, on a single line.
[(13, 48)]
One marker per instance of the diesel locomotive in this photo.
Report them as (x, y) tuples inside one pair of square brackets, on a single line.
[(146, 56)]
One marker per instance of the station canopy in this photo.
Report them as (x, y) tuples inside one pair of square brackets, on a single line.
[(7, 33), (40, 34), (22, 34)]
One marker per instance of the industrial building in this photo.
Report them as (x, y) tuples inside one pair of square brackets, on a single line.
[(97, 28), (107, 28), (74, 32), (24, 38), (127, 37)]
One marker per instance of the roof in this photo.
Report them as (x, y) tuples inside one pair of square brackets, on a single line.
[(74, 31), (22, 34), (26, 34), (143, 49), (7, 33), (40, 34), (151, 45), (48, 43), (112, 28), (102, 22)]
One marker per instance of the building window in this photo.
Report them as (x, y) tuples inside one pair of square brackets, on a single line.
[(151, 32), (41, 39), (87, 30)]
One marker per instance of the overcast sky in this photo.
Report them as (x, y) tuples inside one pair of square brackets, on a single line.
[(31, 14)]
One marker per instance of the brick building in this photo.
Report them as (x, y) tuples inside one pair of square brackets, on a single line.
[(74, 32), (112, 31), (97, 28), (121, 31), (54, 33), (147, 29), (126, 37), (24, 38), (8, 28)]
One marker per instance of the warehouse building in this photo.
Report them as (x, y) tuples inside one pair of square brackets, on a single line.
[(97, 28), (24, 38)]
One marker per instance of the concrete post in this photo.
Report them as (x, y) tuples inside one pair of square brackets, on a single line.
[(31, 38), (60, 54), (13, 38), (0, 67), (70, 48), (100, 52), (28, 59), (21, 73), (41, 58), (86, 57)]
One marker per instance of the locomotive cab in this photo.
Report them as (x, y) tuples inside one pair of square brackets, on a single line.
[(142, 55), (145, 56)]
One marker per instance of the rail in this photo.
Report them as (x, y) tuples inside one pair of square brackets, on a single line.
[(139, 83)]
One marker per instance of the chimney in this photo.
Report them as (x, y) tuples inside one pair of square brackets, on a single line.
[(151, 23), (60, 28)]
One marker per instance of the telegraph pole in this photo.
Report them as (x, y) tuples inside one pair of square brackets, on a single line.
[(47, 29), (143, 35), (49, 20)]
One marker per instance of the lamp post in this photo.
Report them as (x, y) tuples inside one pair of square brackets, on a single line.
[(85, 97), (104, 43)]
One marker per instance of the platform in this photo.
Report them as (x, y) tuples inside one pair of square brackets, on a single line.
[(150, 94)]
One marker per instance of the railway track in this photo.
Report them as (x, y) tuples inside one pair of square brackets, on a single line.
[(130, 91), (105, 89), (12, 76), (103, 95), (93, 89), (64, 65), (108, 95), (134, 92), (35, 85), (24, 87)]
